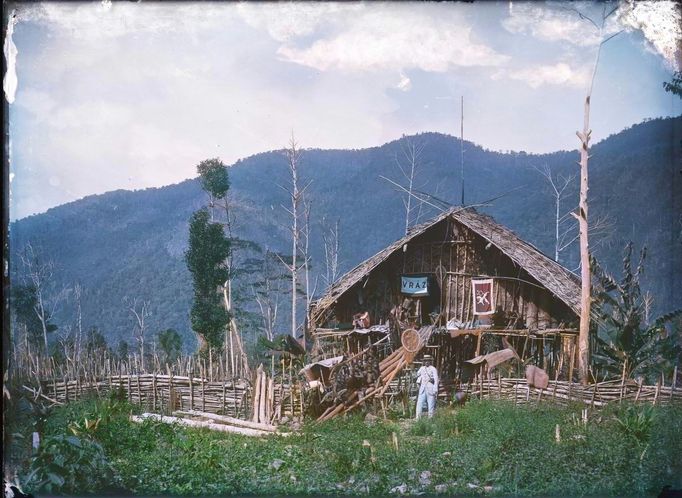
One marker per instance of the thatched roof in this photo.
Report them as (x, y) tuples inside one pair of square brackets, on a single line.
[(557, 279)]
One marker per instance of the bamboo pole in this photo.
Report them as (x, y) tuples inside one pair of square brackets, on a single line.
[(203, 391), (271, 399), (191, 389), (262, 396), (256, 394), (622, 380), (154, 390)]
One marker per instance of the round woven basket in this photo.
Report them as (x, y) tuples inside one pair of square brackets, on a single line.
[(410, 341)]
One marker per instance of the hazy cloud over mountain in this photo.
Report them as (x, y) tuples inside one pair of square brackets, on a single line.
[(132, 95)]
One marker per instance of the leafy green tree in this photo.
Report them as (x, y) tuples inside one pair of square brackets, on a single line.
[(627, 340), (170, 344), (205, 257), (674, 86), (214, 178)]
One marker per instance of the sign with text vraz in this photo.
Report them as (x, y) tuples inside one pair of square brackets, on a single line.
[(483, 296), (415, 285)]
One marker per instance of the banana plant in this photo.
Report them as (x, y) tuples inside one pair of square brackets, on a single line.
[(627, 342)]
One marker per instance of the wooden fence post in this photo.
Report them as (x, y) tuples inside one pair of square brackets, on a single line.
[(154, 390), (672, 388), (224, 396), (203, 392), (191, 390)]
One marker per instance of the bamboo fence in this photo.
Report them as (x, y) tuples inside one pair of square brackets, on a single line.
[(562, 392), (24, 365), (166, 393)]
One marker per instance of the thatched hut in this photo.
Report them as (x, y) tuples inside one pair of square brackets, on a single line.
[(472, 282)]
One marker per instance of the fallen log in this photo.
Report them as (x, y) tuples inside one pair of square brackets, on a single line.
[(224, 419), (199, 425)]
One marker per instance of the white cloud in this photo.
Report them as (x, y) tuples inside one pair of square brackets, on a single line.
[(557, 23), (661, 24), (285, 21), (557, 74), (92, 21), (659, 21), (397, 38), (137, 95)]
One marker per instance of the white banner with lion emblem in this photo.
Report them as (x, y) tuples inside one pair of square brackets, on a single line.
[(483, 296)]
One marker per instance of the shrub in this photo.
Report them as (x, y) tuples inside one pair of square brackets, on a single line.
[(69, 464), (636, 421)]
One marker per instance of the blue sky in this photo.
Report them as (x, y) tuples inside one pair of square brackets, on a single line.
[(134, 95)]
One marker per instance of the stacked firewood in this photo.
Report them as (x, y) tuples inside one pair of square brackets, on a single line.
[(354, 395)]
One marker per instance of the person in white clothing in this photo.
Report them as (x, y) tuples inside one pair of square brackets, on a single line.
[(427, 378)]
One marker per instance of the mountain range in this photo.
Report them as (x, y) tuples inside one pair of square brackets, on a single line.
[(131, 243)]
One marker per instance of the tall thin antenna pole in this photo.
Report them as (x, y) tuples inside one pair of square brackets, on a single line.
[(461, 150)]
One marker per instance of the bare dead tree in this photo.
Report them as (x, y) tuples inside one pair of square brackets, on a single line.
[(293, 155), (233, 338), (139, 310), (310, 287), (600, 231), (67, 344), (582, 215), (40, 275), (408, 164), (268, 294), (330, 239), (558, 185), (78, 340)]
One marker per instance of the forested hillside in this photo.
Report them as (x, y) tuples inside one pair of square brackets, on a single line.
[(131, 244)]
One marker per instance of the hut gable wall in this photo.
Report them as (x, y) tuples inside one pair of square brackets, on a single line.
[(452, 255)]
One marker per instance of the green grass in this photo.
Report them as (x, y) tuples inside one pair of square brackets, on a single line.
[(623, 450)]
